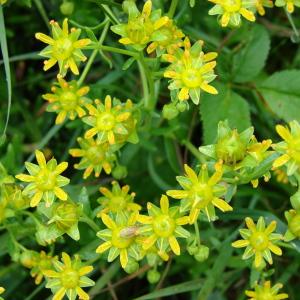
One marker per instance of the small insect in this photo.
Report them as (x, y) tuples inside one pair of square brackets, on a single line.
[(129, 232)]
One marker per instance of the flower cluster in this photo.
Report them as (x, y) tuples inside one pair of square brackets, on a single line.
[(266, 291), (148, 28)]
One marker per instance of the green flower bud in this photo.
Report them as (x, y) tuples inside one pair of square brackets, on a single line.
[(170, 111), (66, 215), (230, 148), (202, 253), (153, 276), (192, 249), (29, 259), (295, 200), (67, 8), (119, 172), (132, 266), (294, 225), (182, 106)]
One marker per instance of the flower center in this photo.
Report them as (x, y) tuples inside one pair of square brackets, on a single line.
[(46, 180), (105, 122), (202, 195), (68, 100), (163, 226), (62, 49), (95, 155), (232, 5), (70, 279), (118, 241), (265, 295), (259, 241), (191, 78), (117, 203), (139, 30)]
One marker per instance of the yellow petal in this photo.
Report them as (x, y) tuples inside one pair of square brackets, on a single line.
[(40, 158), (208, 88), (60, 193), (183, 94), (85, 270), (177, 194), (221, 204), (275, 249), (60, 117), (280, 161), (49, 64), (73, 66), (44, 38), (240, 244), (123, 258), (258, 259), (82, 294), (90, 133), (125, 41), (250, 224), (174, 245), (25, 177), (247, 14), (164, 204), (225, 19), (283, 132), (59, 295), (103, 247), (108, 221), (36, 199)]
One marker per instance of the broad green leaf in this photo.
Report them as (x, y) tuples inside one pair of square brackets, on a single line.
[(251, 58), (281, 91), (226, 105)]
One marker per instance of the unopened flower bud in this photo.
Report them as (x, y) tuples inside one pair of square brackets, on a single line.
[(153, 276), (202, 253)]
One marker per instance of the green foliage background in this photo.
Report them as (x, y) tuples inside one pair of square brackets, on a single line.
[(259, 84)]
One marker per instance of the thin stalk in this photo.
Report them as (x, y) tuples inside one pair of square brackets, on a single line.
[(93, 55), (172, 8), (296, 32), (193, 150), (197, 231), (42, 11), (90, 222)]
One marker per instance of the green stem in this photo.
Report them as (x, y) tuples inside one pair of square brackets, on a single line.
[(118, 50), (90, 222), (99, 26), (93, 55), (193, 150), (172, 8), (14, 240), (36, 291), (31, 215), (197, 231), (296, 32), (147, 83), (42, 11)]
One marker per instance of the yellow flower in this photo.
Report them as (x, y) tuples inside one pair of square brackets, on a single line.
[(289, 148), (259, 241), (117, 200), (289, 4), (40, 263), (201, 192), (67, 100), (141, 26), (45, 181), (3, 2), (95, 157), (168, 38), (162, 227), (64, 48), (112, 122), (69, 278), (191, 71), (261, 4), (266, 292), (120, 238), (232, 10)]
